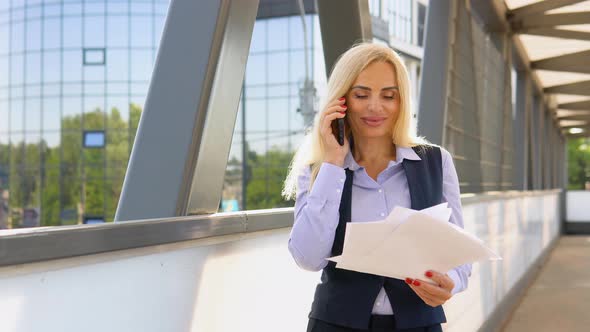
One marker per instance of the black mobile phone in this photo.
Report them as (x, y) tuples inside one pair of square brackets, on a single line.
[(341, 131)]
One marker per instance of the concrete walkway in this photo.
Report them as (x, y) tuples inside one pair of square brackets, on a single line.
[(559, 299)]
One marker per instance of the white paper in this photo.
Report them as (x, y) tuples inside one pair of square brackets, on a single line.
[(408, 243)]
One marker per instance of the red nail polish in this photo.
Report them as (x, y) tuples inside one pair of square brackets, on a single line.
[(429, 274), (342, 112), (416, 283), (408, 281), (344, 106), (341, 99)]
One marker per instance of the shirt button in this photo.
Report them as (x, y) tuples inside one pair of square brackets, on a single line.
[(380, 190), (378, 303), (382, 214), (341, 180), (337, 190)]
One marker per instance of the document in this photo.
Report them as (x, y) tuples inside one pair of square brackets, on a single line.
[(407, 243)]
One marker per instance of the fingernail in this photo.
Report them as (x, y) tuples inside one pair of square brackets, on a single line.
[(341, 99), (342, 112), (408, 281), (429, 274), (344, 106), (416, 283)]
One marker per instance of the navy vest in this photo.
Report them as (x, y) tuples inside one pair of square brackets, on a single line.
[(346, 297)]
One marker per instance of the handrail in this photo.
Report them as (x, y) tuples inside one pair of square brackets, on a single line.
[(27, 245)]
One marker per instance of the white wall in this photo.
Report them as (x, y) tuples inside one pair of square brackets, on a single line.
[(243, 283), (578, 206)]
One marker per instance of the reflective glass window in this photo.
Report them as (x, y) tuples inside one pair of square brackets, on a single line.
[(16, 115), (52, 66), (72, 32), (278, 35), (256, 69), (141, 65), (51, 114), (72, 70), (117, 65), (51, 34), (94, 32), (33, 68), (33, 114), (117, 31), (17, 40), (94, 139), (33, 42), (258, 43), (278, 62), (141, 31)]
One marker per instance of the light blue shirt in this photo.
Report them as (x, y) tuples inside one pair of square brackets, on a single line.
[(317, 215)]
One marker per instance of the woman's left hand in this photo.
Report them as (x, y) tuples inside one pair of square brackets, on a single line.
[(433, 295)]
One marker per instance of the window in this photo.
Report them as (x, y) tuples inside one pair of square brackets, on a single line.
[(421, 23), (94, 139), (94, 57)]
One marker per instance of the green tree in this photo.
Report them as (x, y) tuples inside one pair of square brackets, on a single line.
[(267, 173), (578, 163)]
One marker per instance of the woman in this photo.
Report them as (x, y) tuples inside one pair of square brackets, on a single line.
[(381, 164)]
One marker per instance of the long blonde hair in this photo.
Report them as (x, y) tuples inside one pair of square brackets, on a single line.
[(346, 70)]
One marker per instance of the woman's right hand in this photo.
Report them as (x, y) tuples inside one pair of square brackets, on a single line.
[(335, 153)]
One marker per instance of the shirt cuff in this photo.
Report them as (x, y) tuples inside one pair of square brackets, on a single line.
[(329, 183), (453, 274)]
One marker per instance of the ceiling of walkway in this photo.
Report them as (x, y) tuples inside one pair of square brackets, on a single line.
[(556, 36)]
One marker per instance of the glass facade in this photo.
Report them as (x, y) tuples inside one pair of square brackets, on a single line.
[(73, 79), (76, 76)]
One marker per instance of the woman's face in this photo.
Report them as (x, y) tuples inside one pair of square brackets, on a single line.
[(373, 101)]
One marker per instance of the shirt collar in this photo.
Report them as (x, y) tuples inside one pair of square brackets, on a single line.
[(401, 154)]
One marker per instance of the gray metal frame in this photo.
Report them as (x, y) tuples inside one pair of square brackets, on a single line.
[(190, 111)]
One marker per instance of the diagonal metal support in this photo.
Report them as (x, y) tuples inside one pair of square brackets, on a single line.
[(578, 105), (584, 117), (549, 20), (342, 23), (557, 33), (578, 88), (179, 157), (540, 7), (574, 62)]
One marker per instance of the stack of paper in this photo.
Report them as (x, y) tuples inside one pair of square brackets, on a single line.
[(408, 243)]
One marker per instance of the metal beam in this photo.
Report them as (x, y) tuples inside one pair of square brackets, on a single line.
[(574, 62), (550, 20), (178, 161), (540, 7), (557, 33), (281, 8), (343, 23), (583, 126), (578, 105), (578, 88), (434, 82), (585, 117)]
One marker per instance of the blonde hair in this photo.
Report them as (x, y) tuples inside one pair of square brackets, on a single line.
[(346, 70)]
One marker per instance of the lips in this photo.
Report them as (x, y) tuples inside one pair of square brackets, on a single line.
[(373, 121)]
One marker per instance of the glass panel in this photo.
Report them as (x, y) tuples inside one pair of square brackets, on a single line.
[(277, 30), (91, 8), (70, 198), (94, 73), (117, 89), (94, 89), (73, 9), (16, 115), (33, 35), (141, 31), (72, 89), (33, 114), (72, 72), (117, 7), (52, 139), (117, 31), (94, 32), (258, 43), (3, 116), (279, 62), (94, 56), (296, 33), (256, 116), (72, 109), (50, 210), (94, 115), (33, 156), (141, 8), (94, 139), (33, 90), (256, 69), (297, 66), (117, 65), (117, 151), (51, 66), (278, 109), (72, 32), (141, 66), (118, 109), (18, 37), (139, 91), (52, 10), (16, 69), (33, 68)]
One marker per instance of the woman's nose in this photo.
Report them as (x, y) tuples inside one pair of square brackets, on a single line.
[(374, 105)]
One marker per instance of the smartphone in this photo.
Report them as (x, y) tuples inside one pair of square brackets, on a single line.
[(340, 131)]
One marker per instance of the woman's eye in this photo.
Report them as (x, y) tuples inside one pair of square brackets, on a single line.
[(389, 97), (361, 96)]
